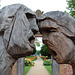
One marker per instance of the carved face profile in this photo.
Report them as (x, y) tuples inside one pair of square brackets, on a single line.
[(58, 35), (18, 24)]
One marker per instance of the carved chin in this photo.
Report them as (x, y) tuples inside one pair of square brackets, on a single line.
[(18, 52), (58, 57), (54, 54), (26, 53)]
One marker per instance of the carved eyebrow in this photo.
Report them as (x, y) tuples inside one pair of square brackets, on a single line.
[(48, 18), (49, 28), (44, 27)]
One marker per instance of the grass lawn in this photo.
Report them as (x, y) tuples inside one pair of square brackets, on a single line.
[(49, 69), (27, 69)]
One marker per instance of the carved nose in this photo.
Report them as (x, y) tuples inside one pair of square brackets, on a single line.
[(35, 29), (45, 39)]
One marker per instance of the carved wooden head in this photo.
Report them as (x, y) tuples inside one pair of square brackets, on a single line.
[(18, 24), (58, 31)]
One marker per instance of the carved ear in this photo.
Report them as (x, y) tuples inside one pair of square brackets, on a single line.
[(2, 28)]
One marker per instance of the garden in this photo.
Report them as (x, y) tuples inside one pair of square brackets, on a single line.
[(44, 54), (29, 62), (47, 63)]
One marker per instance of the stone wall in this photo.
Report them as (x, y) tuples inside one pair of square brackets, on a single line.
[(14, 70), (66, 69), (62, 69)]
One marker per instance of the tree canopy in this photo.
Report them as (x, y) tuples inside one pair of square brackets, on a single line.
[(34, 51), (71, 7), (45, 51), (37, 42)]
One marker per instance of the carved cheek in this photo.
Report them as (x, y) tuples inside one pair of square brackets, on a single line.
[(44, 37), (61, 44)]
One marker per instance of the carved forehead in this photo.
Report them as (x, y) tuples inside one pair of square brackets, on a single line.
[(15, 20), (47, 23), (11, 10), (16, 10), (62, 19)]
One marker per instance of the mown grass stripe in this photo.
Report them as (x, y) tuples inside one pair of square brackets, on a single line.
[(27, 68), (49, 69)]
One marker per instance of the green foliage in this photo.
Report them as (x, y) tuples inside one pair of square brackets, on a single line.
[(28, 62), (71, 7), (36, 39), (47, 62), (37, 43), (34, 51), (37, 52), (45, 51), (49, 69), (27, 68), (32, 57)]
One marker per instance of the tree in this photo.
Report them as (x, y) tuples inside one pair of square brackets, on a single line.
[(45, 51), (37, 52), (37, 42), (34, 51), (71, 7)]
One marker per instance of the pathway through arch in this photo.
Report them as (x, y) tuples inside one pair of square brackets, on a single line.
[(38, 68)]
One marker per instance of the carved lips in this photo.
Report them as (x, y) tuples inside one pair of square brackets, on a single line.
[(31, 40)]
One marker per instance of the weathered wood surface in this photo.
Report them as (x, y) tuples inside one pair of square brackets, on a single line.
[(17, 28), (58, 32)]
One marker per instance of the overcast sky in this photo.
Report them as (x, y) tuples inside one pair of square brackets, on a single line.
[(43, 5)]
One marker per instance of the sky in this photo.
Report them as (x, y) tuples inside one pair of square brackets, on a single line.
[(43, 5), (39, 39)]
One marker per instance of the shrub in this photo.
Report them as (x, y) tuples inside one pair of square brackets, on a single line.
[(47, 62), (45, 51), (33, 58), (50, 61), (28, 62), (43, 57)]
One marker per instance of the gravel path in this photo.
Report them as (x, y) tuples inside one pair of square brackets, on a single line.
[(38, 68)]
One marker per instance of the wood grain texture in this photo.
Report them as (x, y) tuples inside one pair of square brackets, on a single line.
[(17, 29)]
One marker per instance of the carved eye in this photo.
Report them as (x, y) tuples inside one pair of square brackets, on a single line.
[(51, 30), (48, 31)]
